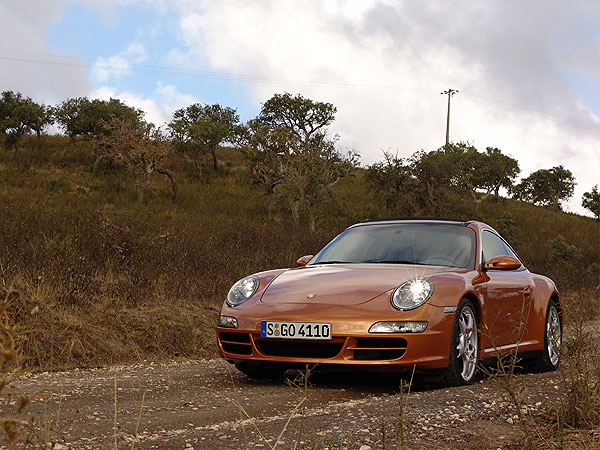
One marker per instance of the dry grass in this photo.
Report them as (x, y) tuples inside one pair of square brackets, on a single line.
[(109, 281), (571, 420), (15, 423)]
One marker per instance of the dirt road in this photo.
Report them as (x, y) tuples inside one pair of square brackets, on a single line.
[(203, 405)]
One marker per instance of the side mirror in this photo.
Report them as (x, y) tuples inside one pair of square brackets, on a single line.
[(502, 263), (301, 262)]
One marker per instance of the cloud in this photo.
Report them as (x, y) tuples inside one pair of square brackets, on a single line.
[(527, 71), (119, 65), (158, 106), (384, 64), (24, 27)]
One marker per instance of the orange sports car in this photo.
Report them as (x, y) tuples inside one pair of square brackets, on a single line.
[(431, 295)]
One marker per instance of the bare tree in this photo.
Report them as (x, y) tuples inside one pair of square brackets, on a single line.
[(141, 147), (310, 174), (82, 118), (287, 146), (266, 150)]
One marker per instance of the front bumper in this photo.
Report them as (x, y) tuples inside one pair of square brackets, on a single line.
[(351, 342)]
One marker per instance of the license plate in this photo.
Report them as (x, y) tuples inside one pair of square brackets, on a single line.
[(295, 330)]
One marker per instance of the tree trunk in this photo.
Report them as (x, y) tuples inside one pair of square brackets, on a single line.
[(214, 156), (430, 197), (294, 209), (556, 202), (18, 155), (174, 186), (311, 220), (39, 139), (267, 199), (96, 164), (142, 189), (478, 201), (195, 163)]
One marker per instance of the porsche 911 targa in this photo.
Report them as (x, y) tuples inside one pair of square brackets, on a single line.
[(429, 295)]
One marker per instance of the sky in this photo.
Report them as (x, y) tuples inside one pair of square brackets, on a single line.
[(527, 72)]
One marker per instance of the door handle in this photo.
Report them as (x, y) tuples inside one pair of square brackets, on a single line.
[(526, 291)]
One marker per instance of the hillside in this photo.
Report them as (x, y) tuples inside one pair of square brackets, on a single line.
[(104, 280)]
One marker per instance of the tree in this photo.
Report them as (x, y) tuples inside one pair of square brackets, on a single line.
[(199, 129), (433, 179), (287, 146), (86, 119), (301, 116), (43, 117), (547, 187), (479, 173), (426, 177), (500, 170), (591, 201), (393, 182), (310, 174), (141, 147), (267, 149), (18, 117)]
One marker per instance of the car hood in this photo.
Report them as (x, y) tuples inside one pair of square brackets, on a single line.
[(343, 284)]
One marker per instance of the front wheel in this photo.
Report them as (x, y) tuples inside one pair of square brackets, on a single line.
[(464, 346)]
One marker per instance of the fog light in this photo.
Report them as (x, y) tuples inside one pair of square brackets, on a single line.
[(227, 322), (398, 327)]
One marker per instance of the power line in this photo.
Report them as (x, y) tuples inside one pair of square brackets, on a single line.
[(533, 113), (125, 68), (174, 71)]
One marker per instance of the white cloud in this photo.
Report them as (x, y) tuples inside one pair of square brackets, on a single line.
[(119, 65), (158, 106), (514, 52), (24, 27), (541, 54)]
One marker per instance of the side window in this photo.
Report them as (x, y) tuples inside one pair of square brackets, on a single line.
[(492, 246)]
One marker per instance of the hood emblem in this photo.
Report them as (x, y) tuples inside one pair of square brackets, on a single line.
[(310, 296)]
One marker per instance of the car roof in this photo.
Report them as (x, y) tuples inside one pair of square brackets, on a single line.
[(478, 226), (416, 220)]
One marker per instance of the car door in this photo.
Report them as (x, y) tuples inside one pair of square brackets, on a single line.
[(508, 296)]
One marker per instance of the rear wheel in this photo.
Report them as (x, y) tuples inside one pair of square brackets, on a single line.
[(464, 346), (550, 357), (258, 372)]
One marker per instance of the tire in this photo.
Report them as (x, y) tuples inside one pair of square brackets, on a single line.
[(464, 346), (258, 372), (549, 360)]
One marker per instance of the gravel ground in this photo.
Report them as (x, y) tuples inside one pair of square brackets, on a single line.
[(209, 405)]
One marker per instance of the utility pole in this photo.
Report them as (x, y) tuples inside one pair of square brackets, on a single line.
[(449, 93)]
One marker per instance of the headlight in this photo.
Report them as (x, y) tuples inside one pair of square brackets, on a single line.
[(242, 290), (412, 294)]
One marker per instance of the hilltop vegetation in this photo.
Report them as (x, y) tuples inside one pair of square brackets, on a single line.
[(108, 280), (110, 266)]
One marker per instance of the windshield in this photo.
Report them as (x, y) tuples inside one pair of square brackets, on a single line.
[(433, 244)]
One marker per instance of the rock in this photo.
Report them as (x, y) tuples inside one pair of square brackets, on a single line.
[(364, 447)]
